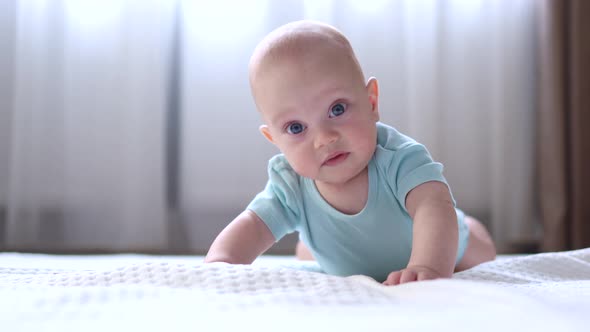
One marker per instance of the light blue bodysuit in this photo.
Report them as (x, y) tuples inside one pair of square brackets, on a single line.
[(377, 240)]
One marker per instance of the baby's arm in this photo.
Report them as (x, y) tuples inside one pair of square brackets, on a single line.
[(244, 239), (434, 248)]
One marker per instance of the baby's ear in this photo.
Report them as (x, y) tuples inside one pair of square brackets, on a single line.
[(373, 92), (266, 133)]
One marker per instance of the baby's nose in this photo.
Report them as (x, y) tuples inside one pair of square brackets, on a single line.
[(325, 136)]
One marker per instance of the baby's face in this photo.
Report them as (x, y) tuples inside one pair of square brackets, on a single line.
[(321, 115)]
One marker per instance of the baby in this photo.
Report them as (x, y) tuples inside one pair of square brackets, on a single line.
[(364, 198)]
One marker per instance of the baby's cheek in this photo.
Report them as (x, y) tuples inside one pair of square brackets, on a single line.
[(368, 142), (304, 169), (298, 164)]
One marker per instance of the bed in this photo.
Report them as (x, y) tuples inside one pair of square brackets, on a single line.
[(541, 292)]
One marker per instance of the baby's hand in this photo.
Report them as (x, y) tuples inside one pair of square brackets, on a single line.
[(411, 273)]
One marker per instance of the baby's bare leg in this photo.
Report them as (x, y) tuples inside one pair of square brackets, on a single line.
[(302, 252), (480, 248)]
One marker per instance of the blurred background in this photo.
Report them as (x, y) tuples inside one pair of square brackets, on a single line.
[(128, 126)]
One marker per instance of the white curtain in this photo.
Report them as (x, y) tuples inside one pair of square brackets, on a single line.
[(85, 162), (86, 117)]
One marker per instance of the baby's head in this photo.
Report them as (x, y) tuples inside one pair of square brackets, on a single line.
[(311, 93)]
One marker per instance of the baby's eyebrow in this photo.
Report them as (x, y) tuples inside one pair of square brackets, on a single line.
[(332, 91), (281, 116)]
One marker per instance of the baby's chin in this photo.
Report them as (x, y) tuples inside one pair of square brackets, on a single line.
[(332, 179), (343, 177)]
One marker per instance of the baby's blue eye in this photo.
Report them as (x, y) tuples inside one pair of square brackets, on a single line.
[(337, 110), (295, 128)]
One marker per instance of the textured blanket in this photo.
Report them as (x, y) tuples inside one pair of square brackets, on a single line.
[(543, 292)]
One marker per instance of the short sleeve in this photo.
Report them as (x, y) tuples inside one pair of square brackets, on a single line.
[(412, 166), (279, 205)]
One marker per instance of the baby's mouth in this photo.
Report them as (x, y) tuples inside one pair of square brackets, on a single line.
[(335, 158)]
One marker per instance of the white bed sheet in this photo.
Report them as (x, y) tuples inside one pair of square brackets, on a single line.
[(543, 292)]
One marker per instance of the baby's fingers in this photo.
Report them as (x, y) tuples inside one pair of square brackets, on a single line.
[(426, 276), (408, 276), (393, 278)]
